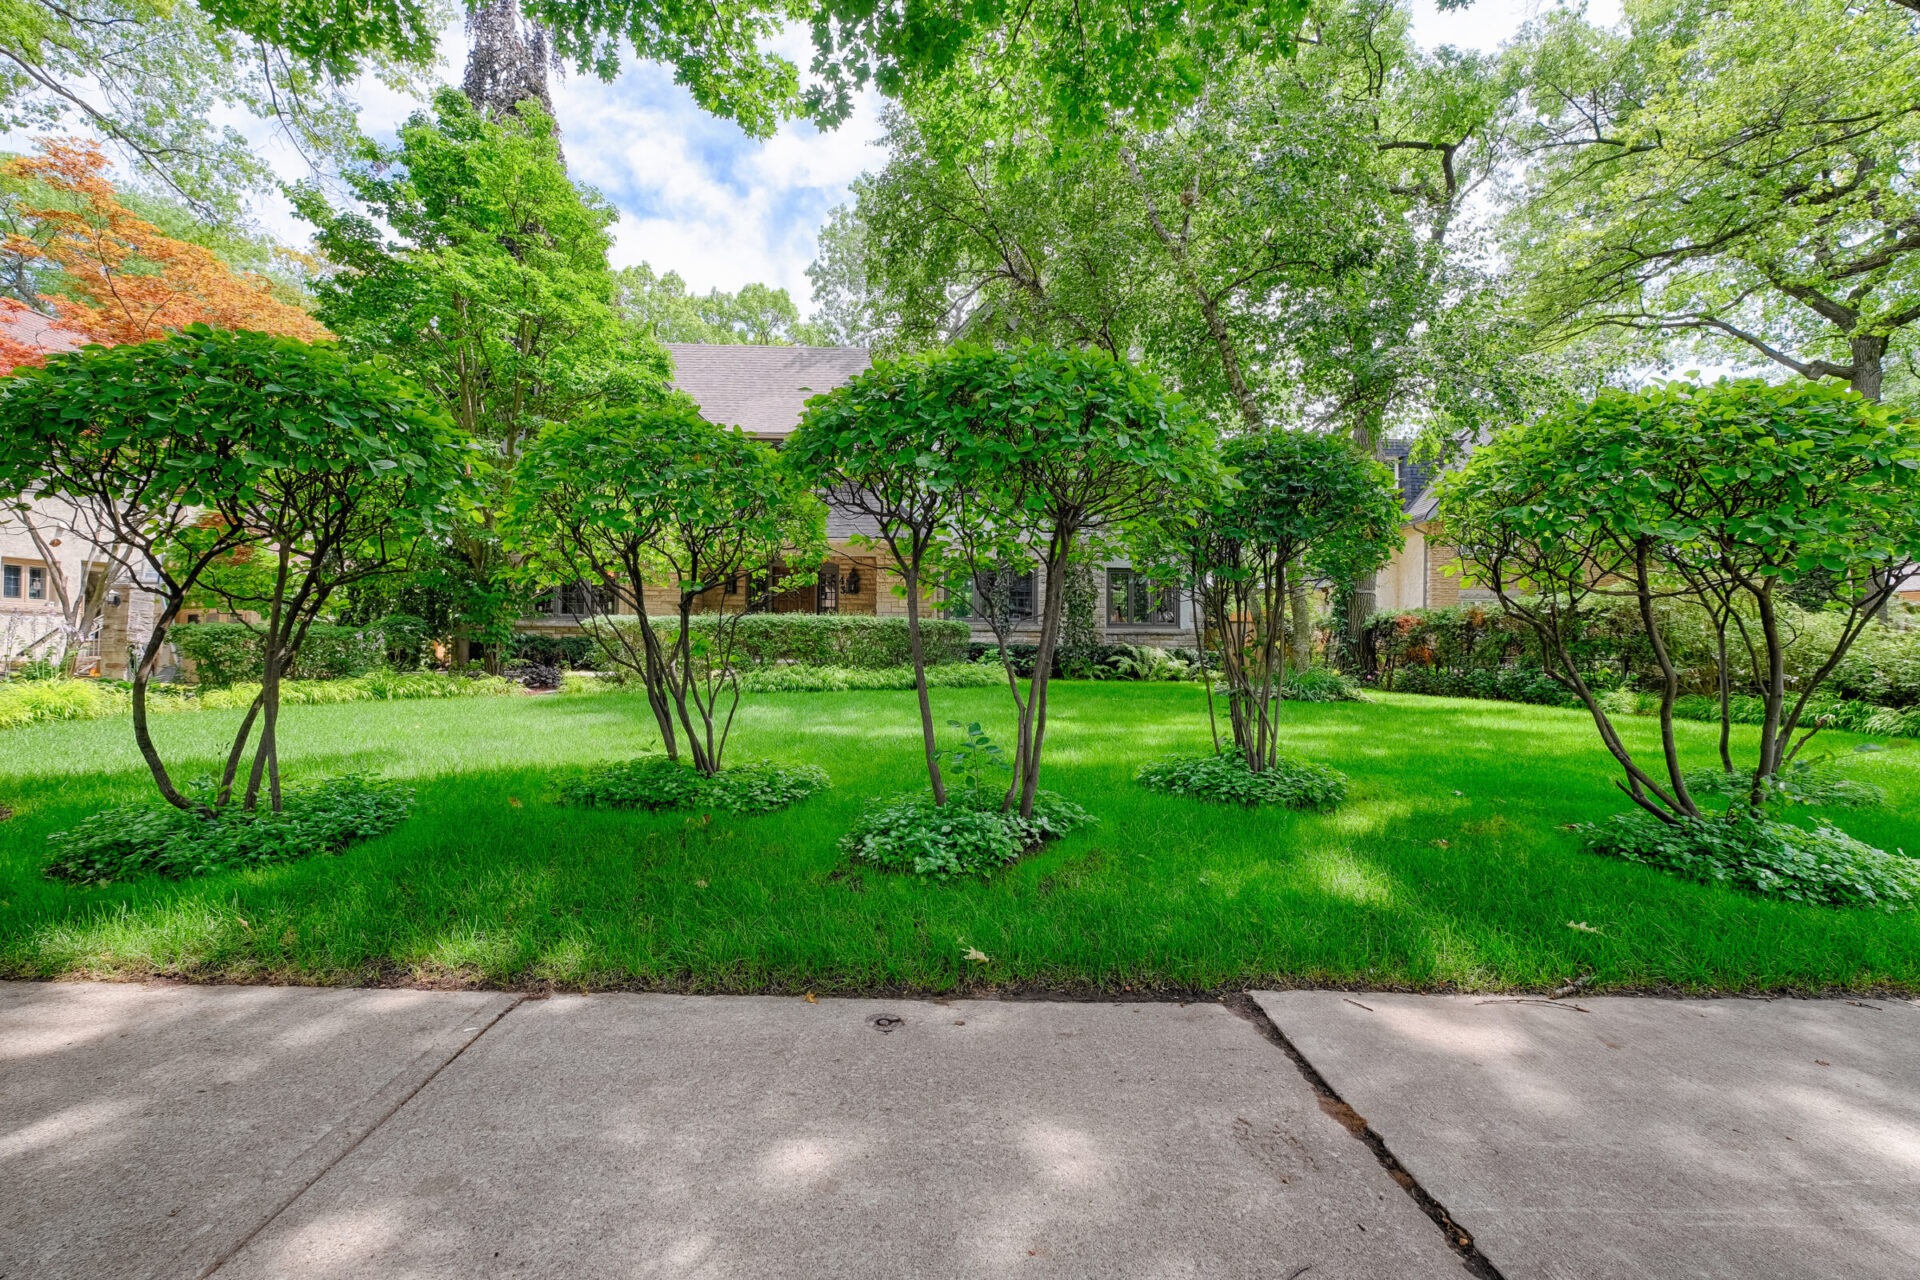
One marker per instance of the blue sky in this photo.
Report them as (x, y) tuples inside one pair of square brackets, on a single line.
[(697, 196)]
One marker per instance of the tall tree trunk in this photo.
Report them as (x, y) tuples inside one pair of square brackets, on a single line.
[(1869, 361), (1302, 606)]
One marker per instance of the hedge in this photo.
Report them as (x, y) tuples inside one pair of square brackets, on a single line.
[(827, 639), (225, 653)]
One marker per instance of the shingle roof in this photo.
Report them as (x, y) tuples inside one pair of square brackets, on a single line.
[(761, 390), (28, 327)]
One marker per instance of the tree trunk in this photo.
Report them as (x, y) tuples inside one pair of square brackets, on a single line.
[(1302, 606), (911, 574), (1869, 358)]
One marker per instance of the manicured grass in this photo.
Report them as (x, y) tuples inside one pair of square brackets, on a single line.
[(1447, 867)]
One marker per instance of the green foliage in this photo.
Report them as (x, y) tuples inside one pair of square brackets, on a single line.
[(661, 307), (146, 839), (225, 653), (977, 759), (1137, 662), (25, 702), (1705, 172), (375, 686), (1802, 782), (967, 836), (1750, 851), (1321, 684), (763, 640), (801, 679), (655, 782), (1295, 784)]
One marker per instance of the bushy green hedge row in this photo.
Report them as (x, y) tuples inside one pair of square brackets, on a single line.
[(1530, 684), (947, 675), (225, 653), (1427, 650), (827, 639)]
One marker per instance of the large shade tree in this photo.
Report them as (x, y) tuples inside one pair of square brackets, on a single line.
[(1714, 172), (476, 264), (289, 467)]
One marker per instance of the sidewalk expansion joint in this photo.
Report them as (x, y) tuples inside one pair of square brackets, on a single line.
[(1475, 1262), (367, 1126)]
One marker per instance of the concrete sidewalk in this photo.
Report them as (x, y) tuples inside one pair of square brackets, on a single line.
[(294, 1133)]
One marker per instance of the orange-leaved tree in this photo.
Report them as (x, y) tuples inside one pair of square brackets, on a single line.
[(120, 278)]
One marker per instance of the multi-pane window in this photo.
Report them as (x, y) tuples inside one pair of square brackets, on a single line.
[(569, 600), (826, 592), (18, 581), (1135, 600), (1005, 590)]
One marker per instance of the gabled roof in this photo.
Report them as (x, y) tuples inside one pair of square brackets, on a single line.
[(761, 390), (29, 328)]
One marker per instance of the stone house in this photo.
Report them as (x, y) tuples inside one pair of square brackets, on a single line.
[(1426, 572), (763, 390), (59, 589)]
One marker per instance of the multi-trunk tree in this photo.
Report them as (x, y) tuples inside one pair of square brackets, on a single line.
[(1294, 502), (657, 498), (265, 469), (1726, 497)]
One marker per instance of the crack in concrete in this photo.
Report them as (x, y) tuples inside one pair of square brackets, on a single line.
[(404, 1087), (1458, 1239)]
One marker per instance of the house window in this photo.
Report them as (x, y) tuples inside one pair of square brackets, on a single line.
[(10, 582), (28, 580), (1015, 592), (569, 600), (826, 593), (1135, 600)]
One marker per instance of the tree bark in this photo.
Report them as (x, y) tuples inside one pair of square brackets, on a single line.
[(910, 573)]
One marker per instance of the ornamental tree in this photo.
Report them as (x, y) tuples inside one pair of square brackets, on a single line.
[(657, 497), (1729, 496), (886, 445), (1297, 502), (112, 276), (265, 469), (1052, 450)]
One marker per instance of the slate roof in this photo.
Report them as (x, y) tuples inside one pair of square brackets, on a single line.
[(761, 390), (1416, 478)]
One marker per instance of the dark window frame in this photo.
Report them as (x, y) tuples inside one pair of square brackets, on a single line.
[(1135, 600), (12, 581)]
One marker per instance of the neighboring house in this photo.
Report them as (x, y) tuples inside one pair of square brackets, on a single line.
[(763, 391), (45, 555), (1426, 572)]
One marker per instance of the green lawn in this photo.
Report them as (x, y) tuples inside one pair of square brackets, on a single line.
[(1447, 868)]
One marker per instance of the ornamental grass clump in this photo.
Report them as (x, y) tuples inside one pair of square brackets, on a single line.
[(1745, 849), (150, 839), (1225, 778), (655, 783)]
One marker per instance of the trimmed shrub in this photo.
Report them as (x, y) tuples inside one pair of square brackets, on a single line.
[(1225, 778), (655, 782), (570, 653), (154, 839), (827, 639), (948, 675), (1750, 851), (969, 835), (225, 653)]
